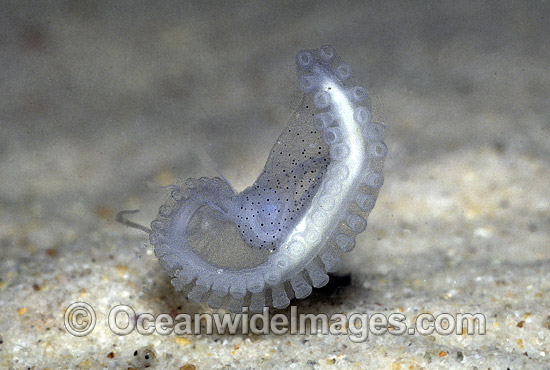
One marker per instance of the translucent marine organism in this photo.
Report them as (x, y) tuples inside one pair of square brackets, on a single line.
[(279, 237)]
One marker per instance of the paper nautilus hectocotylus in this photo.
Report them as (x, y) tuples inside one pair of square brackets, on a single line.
[(279, 237)]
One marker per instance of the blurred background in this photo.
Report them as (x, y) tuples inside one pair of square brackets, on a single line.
[(101, 99), (129, 88)]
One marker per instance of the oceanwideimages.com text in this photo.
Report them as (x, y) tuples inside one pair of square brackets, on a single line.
[(122, 320)]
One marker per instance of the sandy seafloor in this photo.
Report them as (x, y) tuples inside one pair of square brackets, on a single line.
[(99, 99)]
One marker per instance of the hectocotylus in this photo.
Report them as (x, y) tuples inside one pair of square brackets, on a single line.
[(279, 237)]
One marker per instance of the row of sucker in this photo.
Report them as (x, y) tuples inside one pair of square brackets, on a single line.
[(233, 250)]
